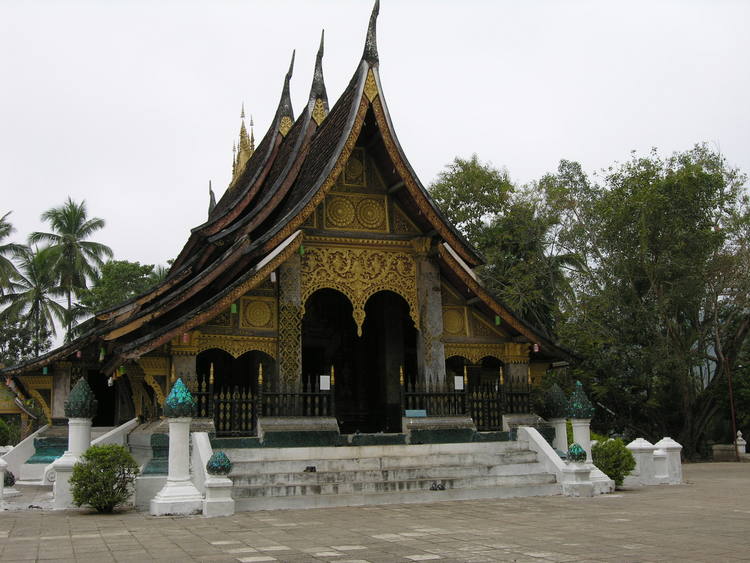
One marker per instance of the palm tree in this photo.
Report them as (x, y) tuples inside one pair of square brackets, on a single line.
[(8, 271), (32, 298), (77, 259)]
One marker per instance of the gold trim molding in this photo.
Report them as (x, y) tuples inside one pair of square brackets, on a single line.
[(359, 273), (236, 345), (506, 352)]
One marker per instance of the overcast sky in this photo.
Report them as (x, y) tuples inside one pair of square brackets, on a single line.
[(133, 106)]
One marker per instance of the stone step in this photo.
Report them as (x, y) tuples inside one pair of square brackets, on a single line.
[(399, 497), (381, 463), (381, 486), (238, 455), (524, 464)]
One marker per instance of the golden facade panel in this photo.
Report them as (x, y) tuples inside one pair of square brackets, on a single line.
[(258, 313), (356, 212)]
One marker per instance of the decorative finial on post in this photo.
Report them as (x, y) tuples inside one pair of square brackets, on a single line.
[(579, 405), (502, 376), (401, 375), (81, 402), (260, 374), (179, 403), (333, 376), (211, 374), (371, 44), (466, 376)]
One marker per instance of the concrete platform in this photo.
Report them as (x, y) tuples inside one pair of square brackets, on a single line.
[(706, 519)]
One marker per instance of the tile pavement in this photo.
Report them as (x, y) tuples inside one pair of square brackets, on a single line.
[(707, 519)]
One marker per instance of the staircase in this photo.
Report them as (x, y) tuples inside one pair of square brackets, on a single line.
[(271, 478)]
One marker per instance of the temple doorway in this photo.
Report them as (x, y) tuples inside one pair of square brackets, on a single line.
[(228, 389), (366, 369)]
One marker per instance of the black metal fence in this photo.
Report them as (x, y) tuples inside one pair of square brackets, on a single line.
[(235, 410)]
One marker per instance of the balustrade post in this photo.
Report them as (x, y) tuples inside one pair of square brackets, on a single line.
[(332, 393)]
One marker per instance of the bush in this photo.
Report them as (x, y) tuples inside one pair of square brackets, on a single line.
[(9, 479), (613, 458), (104, 477), (8, 433)]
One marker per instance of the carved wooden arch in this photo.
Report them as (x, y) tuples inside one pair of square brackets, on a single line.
[(360, 273), (236, 346)]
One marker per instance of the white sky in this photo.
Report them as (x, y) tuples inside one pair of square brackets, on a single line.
[(133, 106)]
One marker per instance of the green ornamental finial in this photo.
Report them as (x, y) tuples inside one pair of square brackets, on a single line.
[(179, 402), (555, 402), (576, 453), (219, 464), (579, 405), (81, 402)]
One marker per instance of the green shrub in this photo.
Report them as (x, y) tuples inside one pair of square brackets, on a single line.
[(9, 480), (104, 477), (613, 458), (8, 433)]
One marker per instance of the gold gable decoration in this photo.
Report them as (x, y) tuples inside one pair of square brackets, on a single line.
[(237, 345), (356, 212), (359, 273), (319, 111), (371, 87)]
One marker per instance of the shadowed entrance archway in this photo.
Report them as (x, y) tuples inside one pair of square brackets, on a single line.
[(366, 368)]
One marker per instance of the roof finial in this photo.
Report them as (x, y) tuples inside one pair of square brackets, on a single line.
[(318, 97), (371, 44), (285, 113), (242, 113), (211, 199), (252, 135)]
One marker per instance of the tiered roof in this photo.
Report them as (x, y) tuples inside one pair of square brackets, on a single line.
[(255, 225)]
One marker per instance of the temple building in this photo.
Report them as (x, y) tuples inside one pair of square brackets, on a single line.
[(325, 284)]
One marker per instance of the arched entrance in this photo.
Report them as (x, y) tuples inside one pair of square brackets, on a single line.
[(366, 368), (229, 389)]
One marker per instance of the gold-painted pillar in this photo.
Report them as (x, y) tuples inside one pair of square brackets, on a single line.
[(290, 325)]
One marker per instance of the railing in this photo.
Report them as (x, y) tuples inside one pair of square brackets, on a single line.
[(416, 396), (486, 406), (311, 401), (235, 412)]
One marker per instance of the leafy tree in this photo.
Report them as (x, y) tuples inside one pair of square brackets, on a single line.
[(470, 193), (8, 272), (77, 259), (33, 297), (18, 340), (661, 238), (118, 281)]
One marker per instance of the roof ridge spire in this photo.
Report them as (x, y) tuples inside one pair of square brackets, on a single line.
[(318, 102), (370, 53), (211, 199), (285, 113)]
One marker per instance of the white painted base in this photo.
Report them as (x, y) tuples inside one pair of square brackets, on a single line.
[(577, 480), (63, 471), (177, 497), (218, 501), (146, 488)]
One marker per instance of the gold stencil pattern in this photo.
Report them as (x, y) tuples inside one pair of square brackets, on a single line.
[(236, 345), (258, 313), (506, 352), (371, 87), (356, 212), (285, 125), (359, 273), (319, 111), (354, 171), (453, 321)]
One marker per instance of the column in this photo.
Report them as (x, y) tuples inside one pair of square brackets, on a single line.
[(430, 348), (290, 325), (60, 391), (179, 495), (580, 411), (80, 408)]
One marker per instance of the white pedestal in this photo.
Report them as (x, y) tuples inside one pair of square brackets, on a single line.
[(219, 501), (577, 480), (560, 442), (3, 466), (644, 472), (674, 459), (79, 440), (179, 495), (582, 435)]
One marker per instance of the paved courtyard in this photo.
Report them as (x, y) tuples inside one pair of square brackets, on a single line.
[(707, 519)]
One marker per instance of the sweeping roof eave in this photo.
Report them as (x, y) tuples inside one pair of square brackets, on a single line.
[(467, 281), (208, 309)]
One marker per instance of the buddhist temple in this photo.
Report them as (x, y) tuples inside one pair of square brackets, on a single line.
[(325, 287)]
